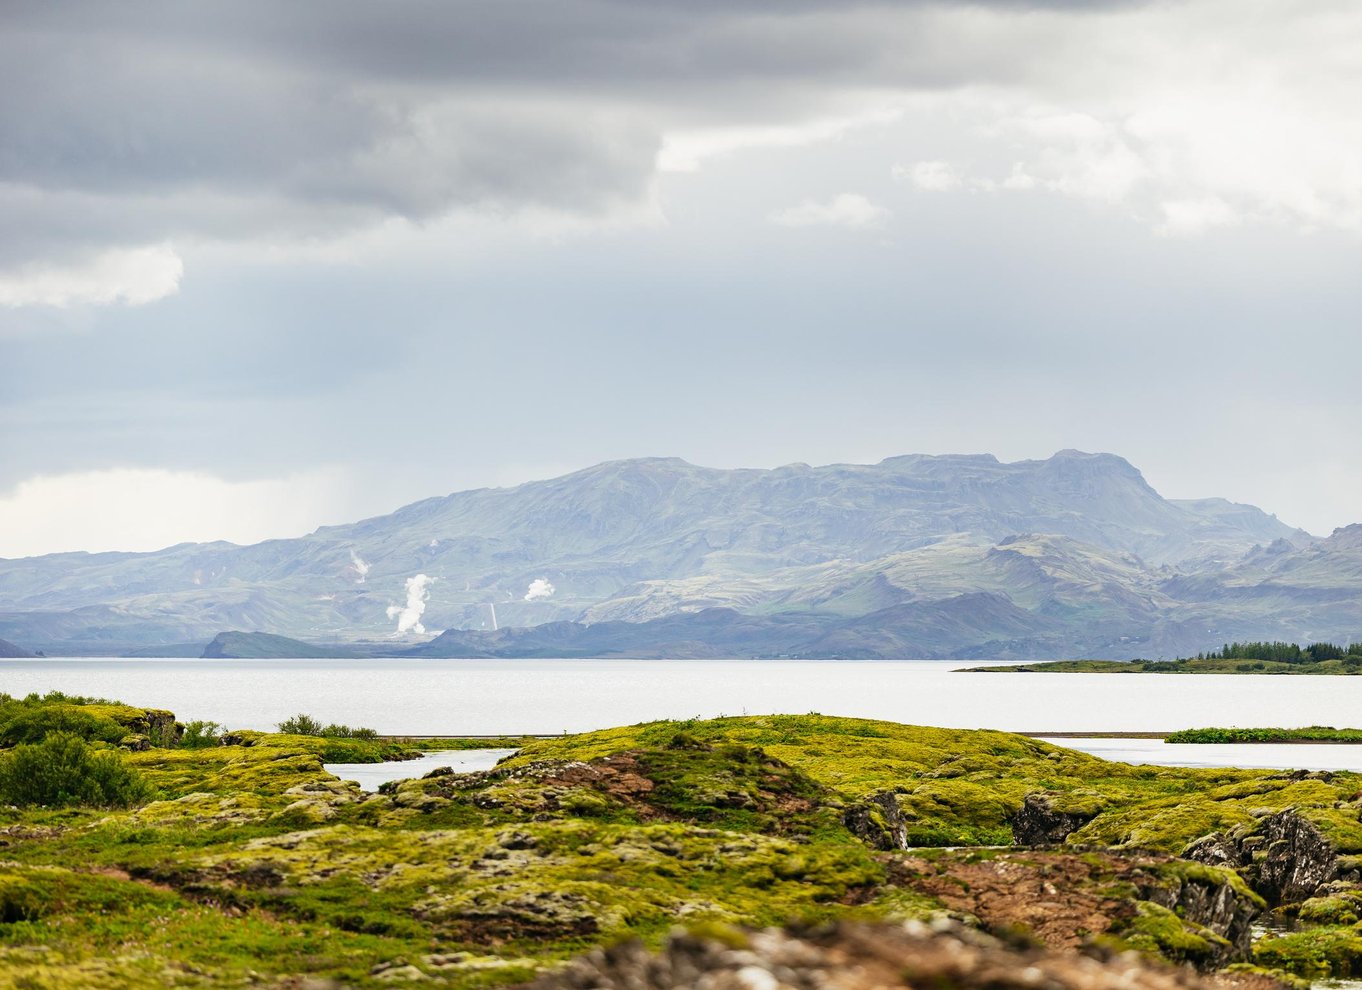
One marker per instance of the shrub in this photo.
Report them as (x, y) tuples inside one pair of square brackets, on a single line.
[(306, 725), (334, 731), (301, 725), (201, 735), (32, 725), (64, 770)]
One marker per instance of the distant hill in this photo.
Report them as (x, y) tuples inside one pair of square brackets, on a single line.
[(265, 646), (1074, 555), (9, 651), (953, 628)]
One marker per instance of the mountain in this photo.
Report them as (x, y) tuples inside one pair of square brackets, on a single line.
[(9, 651), (1063, 556), (266, 646)]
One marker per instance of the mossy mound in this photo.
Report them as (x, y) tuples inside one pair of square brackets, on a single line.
[(265, 864), (964, 787)]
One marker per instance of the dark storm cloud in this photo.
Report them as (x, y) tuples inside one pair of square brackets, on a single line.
[(132, 123)]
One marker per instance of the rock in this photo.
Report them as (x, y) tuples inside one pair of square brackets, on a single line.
[(1036, 823), (878, 822), (868, 957), (1212, 903), (307, 809), (1283, 856), (406, 973)]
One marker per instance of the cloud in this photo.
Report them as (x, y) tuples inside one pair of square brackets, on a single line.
[(843, 210), (686, 150), (540, 589), (247, 125), (135, 276), (1188, 217), (930, 176), (148, 509), (408, 616), (256, 123)]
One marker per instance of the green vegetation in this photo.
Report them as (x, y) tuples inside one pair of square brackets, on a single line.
[(1313, 733), (231, 858), (1280, 652), (306, 725), (1232, 658), (63, 770)]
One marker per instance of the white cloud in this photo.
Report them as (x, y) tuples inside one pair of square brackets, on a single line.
[(141, 509), (1079, 155), (685, 150), (1162, 113), (1187, 217), (843, 210), (132, 276), (540, 589), (929, 176)]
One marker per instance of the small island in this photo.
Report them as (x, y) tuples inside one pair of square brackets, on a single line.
[(1232, 658)]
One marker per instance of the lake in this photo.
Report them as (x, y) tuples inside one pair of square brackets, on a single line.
[(482, 697), (370, 775), (486, 697)]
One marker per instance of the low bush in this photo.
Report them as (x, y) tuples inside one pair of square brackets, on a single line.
[(306, 725), (33, 724), (301, 725), (64, 770), (201, 735)]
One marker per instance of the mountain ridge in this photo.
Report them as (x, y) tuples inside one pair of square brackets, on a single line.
[(1079, 542)]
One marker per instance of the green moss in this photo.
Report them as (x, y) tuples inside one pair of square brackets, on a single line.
[(960, 787), (1186, 871), (1158, 931), (1342, 909), (264, 863), (1289, 980), (1313, 952)]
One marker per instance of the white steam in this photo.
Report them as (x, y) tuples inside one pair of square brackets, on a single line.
[(409, 616), (360, 565), (539, 590)]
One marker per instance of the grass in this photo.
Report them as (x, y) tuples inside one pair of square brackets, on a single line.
[(246, 862)]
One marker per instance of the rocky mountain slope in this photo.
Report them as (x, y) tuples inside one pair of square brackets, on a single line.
[(1075, 555)]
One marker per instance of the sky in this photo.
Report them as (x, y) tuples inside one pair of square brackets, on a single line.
[(267, 266)]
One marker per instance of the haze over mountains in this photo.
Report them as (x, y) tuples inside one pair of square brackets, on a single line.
[(917, 556)]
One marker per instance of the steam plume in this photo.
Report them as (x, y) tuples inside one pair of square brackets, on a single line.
[(409, 616), (539, 590), (360, 565)]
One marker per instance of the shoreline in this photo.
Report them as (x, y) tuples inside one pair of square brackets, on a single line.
[(404, 737)]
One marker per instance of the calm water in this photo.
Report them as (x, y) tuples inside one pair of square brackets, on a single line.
[(370, 775), (475, 697), (1293, 756)]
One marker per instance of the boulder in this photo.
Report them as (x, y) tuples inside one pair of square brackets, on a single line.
[(1037, 823), (878, 822), (1283, 856)]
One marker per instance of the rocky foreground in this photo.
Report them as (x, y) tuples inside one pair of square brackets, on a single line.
[(869, 957), (201, 859)]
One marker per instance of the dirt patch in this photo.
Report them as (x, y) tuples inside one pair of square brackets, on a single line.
[(1057, 898)]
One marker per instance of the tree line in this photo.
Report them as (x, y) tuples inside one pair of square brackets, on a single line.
[(1279, 652)]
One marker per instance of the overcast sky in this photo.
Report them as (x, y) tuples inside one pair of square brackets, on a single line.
[(267, 266)]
